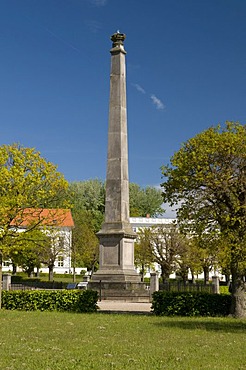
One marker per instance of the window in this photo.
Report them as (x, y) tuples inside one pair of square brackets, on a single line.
[(61, 241), (60, 261)]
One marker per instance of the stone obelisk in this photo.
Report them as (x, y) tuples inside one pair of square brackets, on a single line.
[(116, 236)]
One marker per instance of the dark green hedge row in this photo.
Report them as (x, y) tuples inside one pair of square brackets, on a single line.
[(55, 300), (190, 304)]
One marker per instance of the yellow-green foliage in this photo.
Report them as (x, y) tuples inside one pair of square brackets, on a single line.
[(207, 176), (26, 181)]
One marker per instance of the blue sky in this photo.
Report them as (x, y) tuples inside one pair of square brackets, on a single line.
[(186, 71)]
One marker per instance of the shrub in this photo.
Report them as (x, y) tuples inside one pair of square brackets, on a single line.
[(224, 289), (190, 304), (55, 300)]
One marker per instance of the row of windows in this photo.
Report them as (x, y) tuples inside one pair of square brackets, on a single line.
[(60, 262)]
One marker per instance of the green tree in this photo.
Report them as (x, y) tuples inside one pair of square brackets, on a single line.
[(143, 251), (201, 254), (167, 246), (88, 196), (52, 247), (208, 177), (27, 250), (85, 244), (88, 199), (27, 181), (145, 201)]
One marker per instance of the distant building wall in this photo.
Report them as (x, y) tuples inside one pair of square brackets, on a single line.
[(143, 222)]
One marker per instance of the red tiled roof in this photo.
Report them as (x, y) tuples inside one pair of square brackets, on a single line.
[(47, 217)]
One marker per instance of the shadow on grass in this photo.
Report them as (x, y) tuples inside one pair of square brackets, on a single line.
[(227, 325)]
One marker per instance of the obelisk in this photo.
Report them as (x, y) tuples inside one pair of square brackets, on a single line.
[(116, 237)]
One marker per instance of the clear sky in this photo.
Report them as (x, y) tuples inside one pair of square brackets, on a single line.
[(186, 71)]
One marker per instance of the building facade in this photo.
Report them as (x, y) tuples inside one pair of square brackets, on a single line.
[(57, 224)]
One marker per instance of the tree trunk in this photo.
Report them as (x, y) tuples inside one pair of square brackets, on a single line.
[(14, 269), (38, 272), (74, 274), (184, 275), (227, 279), (51, 272), (238, 305), (164, 275), (206, 274), (30, 272), (193, 277), (142, 272)]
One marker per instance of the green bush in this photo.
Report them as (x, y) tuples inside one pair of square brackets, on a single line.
[(224, 289), (190, 304), (55, 300)]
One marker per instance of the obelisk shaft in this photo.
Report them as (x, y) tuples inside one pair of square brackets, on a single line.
[(116, 257), (117, 180)]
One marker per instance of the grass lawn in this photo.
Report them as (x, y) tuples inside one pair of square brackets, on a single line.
[(66, 341)]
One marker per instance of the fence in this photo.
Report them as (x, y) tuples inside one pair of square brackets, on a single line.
[(180, 286), (34, 285)]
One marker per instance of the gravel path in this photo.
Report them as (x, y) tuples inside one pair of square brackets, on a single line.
[(124, 307)]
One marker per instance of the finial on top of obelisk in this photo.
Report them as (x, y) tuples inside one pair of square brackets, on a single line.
[(118, 40)]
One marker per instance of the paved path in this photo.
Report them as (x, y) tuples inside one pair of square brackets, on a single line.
[(124, 307)]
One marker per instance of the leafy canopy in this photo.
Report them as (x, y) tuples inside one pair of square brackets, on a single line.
[(145, 201), (26, 181), (207, 176)]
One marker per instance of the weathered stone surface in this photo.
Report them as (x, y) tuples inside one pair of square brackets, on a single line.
[(116, 236), (121, 291)]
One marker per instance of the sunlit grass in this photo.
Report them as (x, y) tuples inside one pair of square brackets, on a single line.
[(65, 341)]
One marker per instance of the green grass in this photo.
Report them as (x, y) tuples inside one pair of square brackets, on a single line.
[(65, 341)]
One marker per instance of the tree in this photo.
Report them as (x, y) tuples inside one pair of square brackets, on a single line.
[(208, 177), (167, 246), (203, 251), (88, 196), (54, 245), (27, 250), (88, 199), (27, 181), (145, 201), (143, 251), (85, 244)]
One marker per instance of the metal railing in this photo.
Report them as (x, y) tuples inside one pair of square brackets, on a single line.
[(180, 286)]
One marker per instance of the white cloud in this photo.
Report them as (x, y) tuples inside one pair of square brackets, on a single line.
[(139, 88), (157, 102), (93, 25)]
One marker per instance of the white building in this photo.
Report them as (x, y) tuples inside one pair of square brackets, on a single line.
[(143, 222), (58, 225), (138, 223)]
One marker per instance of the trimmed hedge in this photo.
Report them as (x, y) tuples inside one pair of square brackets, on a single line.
[(190, 304), (55, 300)]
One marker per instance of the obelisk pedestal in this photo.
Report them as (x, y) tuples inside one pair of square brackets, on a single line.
[(116, 262)]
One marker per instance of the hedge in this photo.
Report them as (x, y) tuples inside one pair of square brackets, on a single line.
[(190, 304), (46, 300)]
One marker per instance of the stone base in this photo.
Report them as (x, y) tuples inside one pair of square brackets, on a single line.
[(121, 291), (116, 275)]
